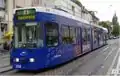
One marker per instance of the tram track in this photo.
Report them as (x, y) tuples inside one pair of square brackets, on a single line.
[(101, 65), (99, 54)]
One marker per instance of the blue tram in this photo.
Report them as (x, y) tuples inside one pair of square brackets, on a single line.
[(45, 37)]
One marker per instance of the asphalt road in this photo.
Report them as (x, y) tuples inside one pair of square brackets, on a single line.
[(102, 61)]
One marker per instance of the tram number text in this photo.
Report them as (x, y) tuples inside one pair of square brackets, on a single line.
[(18, 66)]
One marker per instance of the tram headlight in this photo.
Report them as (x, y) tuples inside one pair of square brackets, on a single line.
[(32, 60), (17, 59)]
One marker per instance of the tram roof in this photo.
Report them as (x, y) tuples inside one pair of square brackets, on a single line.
[(56, 12), (105, 29), (60, 13)]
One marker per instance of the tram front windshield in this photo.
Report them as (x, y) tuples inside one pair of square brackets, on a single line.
[(28, 35)]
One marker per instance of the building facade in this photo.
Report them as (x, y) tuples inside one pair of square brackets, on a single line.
[(3, 23)]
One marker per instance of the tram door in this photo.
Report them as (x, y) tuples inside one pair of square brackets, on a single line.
[(78, 47), (86, 39), (95, 38), (99, 38)]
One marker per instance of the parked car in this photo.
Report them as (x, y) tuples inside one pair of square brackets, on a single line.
[(114, 37)]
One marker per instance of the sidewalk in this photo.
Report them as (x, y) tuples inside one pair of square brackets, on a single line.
[(2, 51), (4, 62), (4, 59)]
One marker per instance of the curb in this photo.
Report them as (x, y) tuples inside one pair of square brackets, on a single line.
[(6, 69)]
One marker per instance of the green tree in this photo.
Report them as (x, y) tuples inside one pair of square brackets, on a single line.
[(116, 30), (77, 2), (116, 27), (115, 20), (106, 24)]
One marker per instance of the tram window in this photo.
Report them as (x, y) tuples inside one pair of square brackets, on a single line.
[(51, 34), (73, 33), (19, 34), (95, 35), (78, 35), (34, 35), (28, 36), (85, 36), (39, 35), (65, 35), (69, 35)]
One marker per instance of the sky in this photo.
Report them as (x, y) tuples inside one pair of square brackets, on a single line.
[(105, 8)]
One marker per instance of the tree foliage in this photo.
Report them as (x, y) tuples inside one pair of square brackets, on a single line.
[(77, 2), (116, 30), (115, 20), (116, 27), (106, 24)]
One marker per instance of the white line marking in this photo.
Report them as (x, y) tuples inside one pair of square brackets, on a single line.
[(114, 71), (118, 63), (117, 67), (109, 54), (110, 69), (105, 49)]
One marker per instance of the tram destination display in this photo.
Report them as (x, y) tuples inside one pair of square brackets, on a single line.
[(25, 14)]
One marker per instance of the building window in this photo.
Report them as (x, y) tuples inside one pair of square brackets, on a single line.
[(35, 2), (18, 7), (5, 1), (3, 27), (73, 10)]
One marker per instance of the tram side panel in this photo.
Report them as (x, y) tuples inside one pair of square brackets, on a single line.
[(69, 45), (101, 34), (104, 37), (99, 37)]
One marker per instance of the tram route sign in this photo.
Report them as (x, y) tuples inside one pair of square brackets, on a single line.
[(25, 14), (26, 17)]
